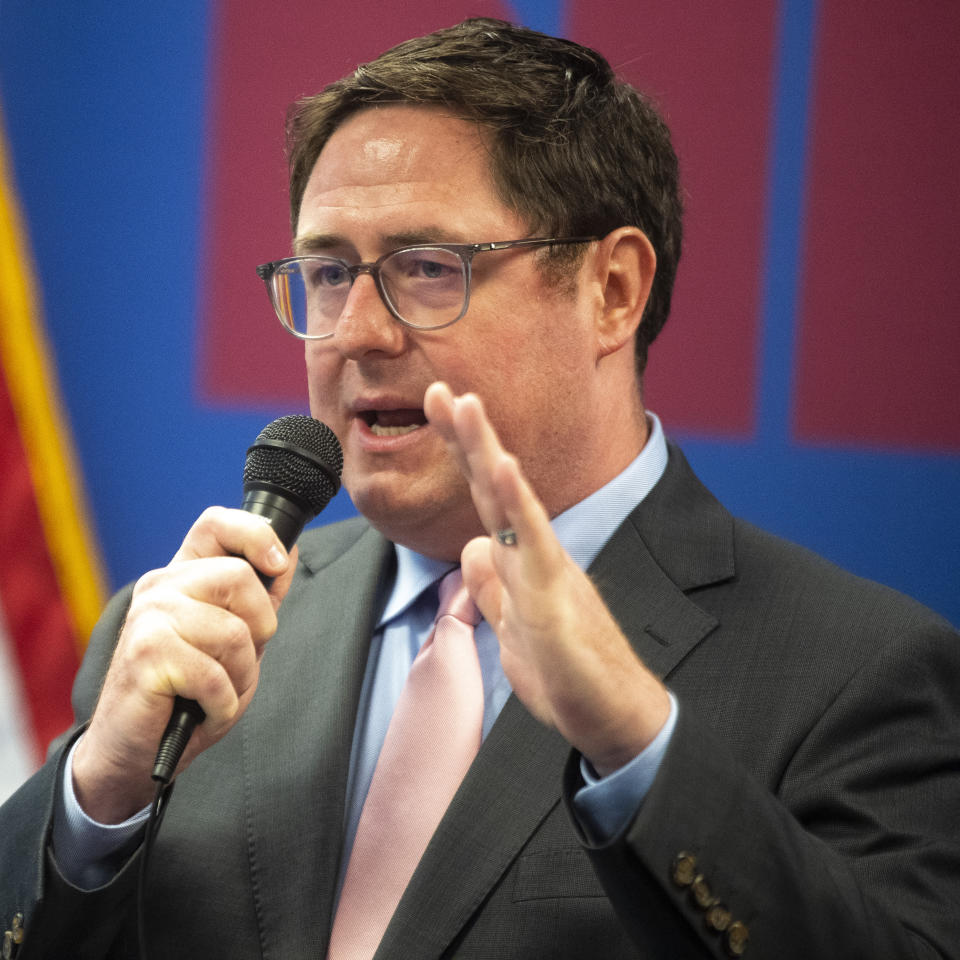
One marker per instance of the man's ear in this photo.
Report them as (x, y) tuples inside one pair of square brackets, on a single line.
[(625, 265)]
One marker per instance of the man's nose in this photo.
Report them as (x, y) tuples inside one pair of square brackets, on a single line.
[(365, 324)]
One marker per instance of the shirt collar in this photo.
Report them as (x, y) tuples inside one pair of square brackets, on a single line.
[(588, 525), (583, 529)]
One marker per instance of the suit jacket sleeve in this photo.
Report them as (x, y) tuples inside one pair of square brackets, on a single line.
[(60, 919), (826, 827)]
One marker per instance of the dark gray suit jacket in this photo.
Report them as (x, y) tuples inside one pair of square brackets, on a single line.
[(812, 786)]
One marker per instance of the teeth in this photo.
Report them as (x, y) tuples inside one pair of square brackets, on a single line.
[(379, 431)]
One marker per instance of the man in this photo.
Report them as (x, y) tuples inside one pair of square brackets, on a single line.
[(714, 744)]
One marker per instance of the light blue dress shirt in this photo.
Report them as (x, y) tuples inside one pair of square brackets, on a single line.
[(84, 848)]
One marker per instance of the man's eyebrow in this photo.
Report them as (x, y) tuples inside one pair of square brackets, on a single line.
[(425, 235), (318, 242), (311, 242)]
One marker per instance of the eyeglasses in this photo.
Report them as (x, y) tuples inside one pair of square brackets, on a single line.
[(426, 287)]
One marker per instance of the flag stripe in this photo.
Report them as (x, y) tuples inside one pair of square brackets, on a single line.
[(51, 585), (19, 752), (40, 633), (36, 405)]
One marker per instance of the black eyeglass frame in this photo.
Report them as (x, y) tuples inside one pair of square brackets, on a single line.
[(464, 251)]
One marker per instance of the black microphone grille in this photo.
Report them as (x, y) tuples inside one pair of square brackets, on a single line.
[(298, 455)]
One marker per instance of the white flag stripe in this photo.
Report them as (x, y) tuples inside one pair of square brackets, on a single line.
[(17, 751)]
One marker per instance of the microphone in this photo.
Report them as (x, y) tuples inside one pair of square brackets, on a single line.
[(291, 473)]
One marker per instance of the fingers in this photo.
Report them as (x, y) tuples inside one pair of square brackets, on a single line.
[(504, 500), (281, 583), (500, 493), (198, 630), (222, 532)]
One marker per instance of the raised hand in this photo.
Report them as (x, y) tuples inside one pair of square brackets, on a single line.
[(562, 651)]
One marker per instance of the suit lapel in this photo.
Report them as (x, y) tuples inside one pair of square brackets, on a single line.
[(515, 780), (298, 732), (678, 539)]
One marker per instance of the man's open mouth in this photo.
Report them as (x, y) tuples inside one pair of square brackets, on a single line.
[(393, 423)]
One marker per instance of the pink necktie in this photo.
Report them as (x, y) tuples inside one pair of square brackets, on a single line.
[(432, 739)]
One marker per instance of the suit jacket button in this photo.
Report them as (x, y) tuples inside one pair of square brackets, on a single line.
[(700, 891), (12, 938), (737, 937), (684, 869), (718, 917)]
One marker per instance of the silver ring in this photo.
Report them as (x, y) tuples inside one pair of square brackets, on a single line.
[(507, 536)]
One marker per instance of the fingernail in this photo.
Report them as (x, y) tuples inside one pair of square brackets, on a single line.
[(275, 557)]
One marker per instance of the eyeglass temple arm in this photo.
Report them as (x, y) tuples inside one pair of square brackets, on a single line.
[(530, 242)]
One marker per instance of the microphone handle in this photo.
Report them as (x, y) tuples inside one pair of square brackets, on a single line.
[(184, 718), (287, 520)]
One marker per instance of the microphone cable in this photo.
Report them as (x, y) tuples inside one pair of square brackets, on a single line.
[(161, 798)]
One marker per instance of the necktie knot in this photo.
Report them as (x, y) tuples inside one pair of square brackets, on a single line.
[(455, 600)]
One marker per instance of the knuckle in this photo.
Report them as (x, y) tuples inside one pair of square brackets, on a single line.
[(236, 635), (211, 687), (143, 634), (208, 530), (239, 590), (237, 574), (148, 582), (211, 518), (266, 624)]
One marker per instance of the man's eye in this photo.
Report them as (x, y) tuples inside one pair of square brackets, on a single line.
[(432, 270), (432, 267), (325, 275)]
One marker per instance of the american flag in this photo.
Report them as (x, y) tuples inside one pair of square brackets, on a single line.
[(51, 588)]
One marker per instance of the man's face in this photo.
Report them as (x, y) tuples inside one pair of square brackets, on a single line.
[(398, 175)]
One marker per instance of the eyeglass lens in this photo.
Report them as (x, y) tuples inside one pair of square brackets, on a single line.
[(425, 287)]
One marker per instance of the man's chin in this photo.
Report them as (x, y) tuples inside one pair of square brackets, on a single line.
[(433, 519)]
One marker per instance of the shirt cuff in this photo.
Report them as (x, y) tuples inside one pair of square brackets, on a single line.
[(89, 854), (606, 805)]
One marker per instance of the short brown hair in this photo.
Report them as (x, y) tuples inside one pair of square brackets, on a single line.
[(574, 150)]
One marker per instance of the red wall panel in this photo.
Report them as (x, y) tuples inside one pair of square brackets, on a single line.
[(878, 360), (712, 72)]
